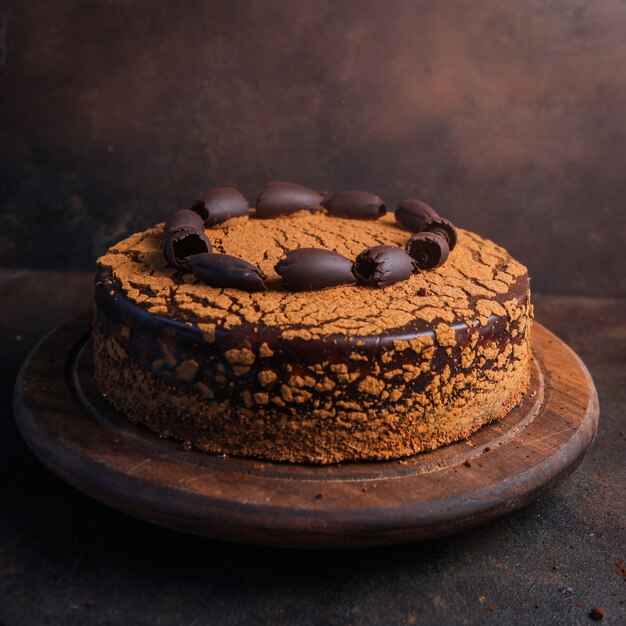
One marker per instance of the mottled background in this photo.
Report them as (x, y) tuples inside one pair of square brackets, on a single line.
[(507, 116)]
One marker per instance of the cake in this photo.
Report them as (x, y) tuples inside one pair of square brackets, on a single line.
[(342, 373)]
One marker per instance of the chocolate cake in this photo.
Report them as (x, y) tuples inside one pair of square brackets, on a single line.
[(322, 375)]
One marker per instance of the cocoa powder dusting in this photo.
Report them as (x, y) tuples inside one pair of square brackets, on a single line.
[(462, 290)]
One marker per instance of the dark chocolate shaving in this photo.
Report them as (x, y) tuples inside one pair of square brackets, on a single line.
[(314, 268), (381, 266), (220, 205), (428, 250), (443, 227), (414, 215), (224, 270), (279, 198), (182, 220), (183, 243), (355, 204)]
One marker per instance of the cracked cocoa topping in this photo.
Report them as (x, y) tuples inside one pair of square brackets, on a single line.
[(474, 284)]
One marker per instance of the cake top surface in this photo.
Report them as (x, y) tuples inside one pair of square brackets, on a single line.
[(479, 279)]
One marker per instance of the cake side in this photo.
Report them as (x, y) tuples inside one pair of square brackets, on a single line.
[(313, 388), (317, 401)]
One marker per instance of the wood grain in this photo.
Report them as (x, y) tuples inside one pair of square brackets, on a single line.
[(505, 465)]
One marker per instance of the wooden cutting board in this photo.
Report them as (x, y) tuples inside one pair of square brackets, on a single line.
[(76, 433)]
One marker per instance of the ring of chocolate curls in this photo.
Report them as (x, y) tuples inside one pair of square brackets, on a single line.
[(187, 247)]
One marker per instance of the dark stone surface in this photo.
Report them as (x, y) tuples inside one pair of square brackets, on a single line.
[(65, 559), (506, 116)]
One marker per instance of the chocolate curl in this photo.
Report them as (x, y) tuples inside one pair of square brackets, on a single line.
[(355, 204), (183, 236), (220, 205), (224, 270), (414, 215), (443, 227), (182, 220), (279, 198), (428, 250), (314, 268), (381, 266)]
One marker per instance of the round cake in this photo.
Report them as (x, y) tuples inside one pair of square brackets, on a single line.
[(343, 373)]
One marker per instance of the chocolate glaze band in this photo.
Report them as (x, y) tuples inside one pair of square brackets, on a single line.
[(148, 333)]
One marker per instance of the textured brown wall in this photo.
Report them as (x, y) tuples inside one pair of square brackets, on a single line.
[(510, 117)]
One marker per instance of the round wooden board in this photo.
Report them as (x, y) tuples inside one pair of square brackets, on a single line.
[(76, 433)]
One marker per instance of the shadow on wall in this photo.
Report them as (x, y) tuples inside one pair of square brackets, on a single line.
[(506, 116)]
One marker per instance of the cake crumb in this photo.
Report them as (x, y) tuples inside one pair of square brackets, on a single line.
[(371, 386), (265, 350), (597, 613), (240, 356)]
